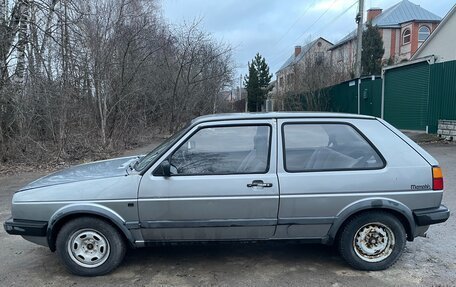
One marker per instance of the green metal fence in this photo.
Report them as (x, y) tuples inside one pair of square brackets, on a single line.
[(415, 96), (370, 101), (442, 94), (406, 96), (343, 98)]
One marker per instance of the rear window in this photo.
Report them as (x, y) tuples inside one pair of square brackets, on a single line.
[(327, 147)]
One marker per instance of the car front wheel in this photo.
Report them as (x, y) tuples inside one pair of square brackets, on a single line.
[(372, 241), (90, 246)]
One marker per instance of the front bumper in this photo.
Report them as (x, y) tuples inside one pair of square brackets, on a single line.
[(430, 216), (25, 227)]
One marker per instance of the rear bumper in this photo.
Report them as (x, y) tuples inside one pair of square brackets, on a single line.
[(430, 216), (25, 227)]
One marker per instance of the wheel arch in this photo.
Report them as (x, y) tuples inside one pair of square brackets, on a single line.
[(70, 212), (396, 208)]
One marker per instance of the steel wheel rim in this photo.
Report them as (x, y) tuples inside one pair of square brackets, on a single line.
[(88, 248), (374, 242)]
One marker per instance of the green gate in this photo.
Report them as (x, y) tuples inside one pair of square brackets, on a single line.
[(406, 96), (370, 101)]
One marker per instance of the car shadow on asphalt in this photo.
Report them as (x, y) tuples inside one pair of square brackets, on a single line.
[(258, 253)]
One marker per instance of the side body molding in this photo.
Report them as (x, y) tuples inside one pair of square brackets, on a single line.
[(368, 204), (88, 209)]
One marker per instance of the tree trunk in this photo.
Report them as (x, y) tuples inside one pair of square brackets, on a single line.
[(65, 89), (24, 6)]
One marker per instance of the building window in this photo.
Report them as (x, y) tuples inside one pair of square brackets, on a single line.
[(340, 55), (406, 37), (423, 33), (319, 58)]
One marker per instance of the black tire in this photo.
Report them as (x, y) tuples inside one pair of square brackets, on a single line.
[(368, 223), (109, 246)]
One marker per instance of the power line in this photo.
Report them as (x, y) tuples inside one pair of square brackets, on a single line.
[(282, 52), (324, 27), (318, 19), (294, 23), (336, 18)]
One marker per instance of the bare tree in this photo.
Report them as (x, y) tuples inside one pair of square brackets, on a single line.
[(308, 80), (81, 77), (202, 68)]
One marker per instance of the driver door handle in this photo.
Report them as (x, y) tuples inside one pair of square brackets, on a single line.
[(259, 183)]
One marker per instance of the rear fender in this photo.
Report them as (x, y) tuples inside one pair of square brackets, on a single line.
[(370, 204)]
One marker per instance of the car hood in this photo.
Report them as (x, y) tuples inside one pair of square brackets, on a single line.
[(89, 171)]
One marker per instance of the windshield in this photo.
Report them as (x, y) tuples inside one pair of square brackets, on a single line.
[(149, 158)]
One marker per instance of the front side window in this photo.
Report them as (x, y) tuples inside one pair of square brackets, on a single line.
[(406, 36), (149, 158), (423, 33), (326, 147), (223, 150)]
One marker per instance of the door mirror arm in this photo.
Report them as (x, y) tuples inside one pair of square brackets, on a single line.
[(164, 169)]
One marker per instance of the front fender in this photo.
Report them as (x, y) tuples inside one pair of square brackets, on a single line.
[(85, 209), (370, 204)]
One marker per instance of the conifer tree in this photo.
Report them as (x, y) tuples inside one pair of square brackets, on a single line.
[(371, 57), (257, 83)]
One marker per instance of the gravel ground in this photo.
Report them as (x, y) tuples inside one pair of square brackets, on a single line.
[(427, 261)]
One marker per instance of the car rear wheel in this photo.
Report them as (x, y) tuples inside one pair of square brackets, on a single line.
[(90, 246), (372, 241)]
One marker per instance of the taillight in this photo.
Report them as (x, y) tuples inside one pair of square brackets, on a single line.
[(437, 178)]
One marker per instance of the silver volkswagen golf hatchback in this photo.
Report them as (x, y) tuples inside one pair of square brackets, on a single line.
[(349, 180)]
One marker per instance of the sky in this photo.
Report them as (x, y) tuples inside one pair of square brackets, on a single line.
[(274, 27)]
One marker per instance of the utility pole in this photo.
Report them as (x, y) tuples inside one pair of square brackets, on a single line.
[(240, 87), (246, 95), (359, 47)]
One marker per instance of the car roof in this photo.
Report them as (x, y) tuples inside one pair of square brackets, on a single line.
[(275, 115)]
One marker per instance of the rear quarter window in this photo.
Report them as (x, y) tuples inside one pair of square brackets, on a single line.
[(327, 147)]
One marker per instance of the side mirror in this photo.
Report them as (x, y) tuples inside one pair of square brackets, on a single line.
[(165, 168)]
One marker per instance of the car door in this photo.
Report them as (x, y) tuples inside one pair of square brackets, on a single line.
[(223, 185)]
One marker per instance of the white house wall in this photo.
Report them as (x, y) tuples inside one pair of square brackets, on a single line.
[(285, 78), (442, 44), (386, 43), (405, 50), (398, 43), (343, 57)]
